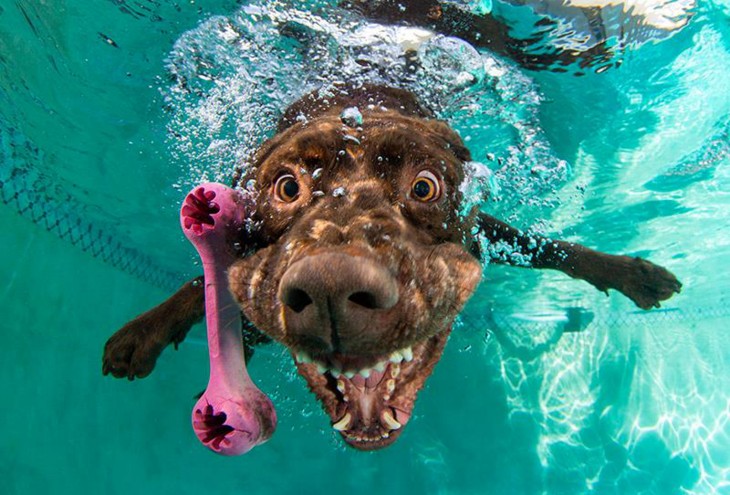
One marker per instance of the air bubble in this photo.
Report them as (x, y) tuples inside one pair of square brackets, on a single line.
[(351, 117), (252, 75)]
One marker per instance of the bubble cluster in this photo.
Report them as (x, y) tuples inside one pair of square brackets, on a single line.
[(231, 78)]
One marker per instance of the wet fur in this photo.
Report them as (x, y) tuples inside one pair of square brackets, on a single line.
[(425, 246), (428, 248)]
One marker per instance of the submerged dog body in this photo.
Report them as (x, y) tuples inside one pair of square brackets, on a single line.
[(359, 261)]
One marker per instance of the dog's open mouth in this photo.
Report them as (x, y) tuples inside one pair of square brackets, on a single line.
[(370, 399)]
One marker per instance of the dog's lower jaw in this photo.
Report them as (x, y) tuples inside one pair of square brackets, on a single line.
[(370, 408)]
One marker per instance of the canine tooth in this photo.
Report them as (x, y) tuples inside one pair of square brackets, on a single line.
[(341, 386), (380, 367), (390, 421), (365, 373), (344, 423), (349, 374), (396, 357), (321, 368), (390, 385), (303, 357), (335, 372), (394, 370), (407, 354)]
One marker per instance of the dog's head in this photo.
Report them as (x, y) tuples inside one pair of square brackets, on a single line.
[(362, 268)]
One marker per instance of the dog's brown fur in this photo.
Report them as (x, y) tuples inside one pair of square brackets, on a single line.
[(356, 208)]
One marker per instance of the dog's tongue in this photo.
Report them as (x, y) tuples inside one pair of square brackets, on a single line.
[(368, 383), (368, 402), (368, 396)]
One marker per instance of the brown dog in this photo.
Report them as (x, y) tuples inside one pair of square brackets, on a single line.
[(359, 261)]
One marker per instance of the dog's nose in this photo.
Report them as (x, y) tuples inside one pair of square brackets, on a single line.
[(334, 301)]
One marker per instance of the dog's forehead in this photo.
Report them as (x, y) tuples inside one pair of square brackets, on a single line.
[(387, 137)]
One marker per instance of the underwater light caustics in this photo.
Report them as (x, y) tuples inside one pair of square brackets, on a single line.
[(233, 415)]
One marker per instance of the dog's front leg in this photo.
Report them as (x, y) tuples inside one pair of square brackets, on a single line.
[(133, 350), (638, 279)]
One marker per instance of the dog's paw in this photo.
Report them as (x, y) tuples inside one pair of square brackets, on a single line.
[(645, 283), (132, 351)]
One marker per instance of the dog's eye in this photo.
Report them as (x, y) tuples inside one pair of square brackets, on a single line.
[(425, 187), (286, 188)]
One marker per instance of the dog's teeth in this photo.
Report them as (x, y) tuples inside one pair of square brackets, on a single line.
[(341, 386), (407, 354), (396, 357), (394, 370), (321, 368), (365, 373), (302, 357), (389, 421), (349, 374), (390, 385), (380, 367), (344, 423), (335, 372)]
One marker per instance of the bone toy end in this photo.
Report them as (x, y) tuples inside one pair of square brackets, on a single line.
[(233, 415)]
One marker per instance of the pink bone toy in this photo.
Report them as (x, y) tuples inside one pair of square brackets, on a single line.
[(233, 415)]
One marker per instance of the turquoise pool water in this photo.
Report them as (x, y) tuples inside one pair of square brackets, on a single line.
[(99, 143)]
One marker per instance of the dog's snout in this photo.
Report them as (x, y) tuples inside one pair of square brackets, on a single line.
[(331, 299)]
